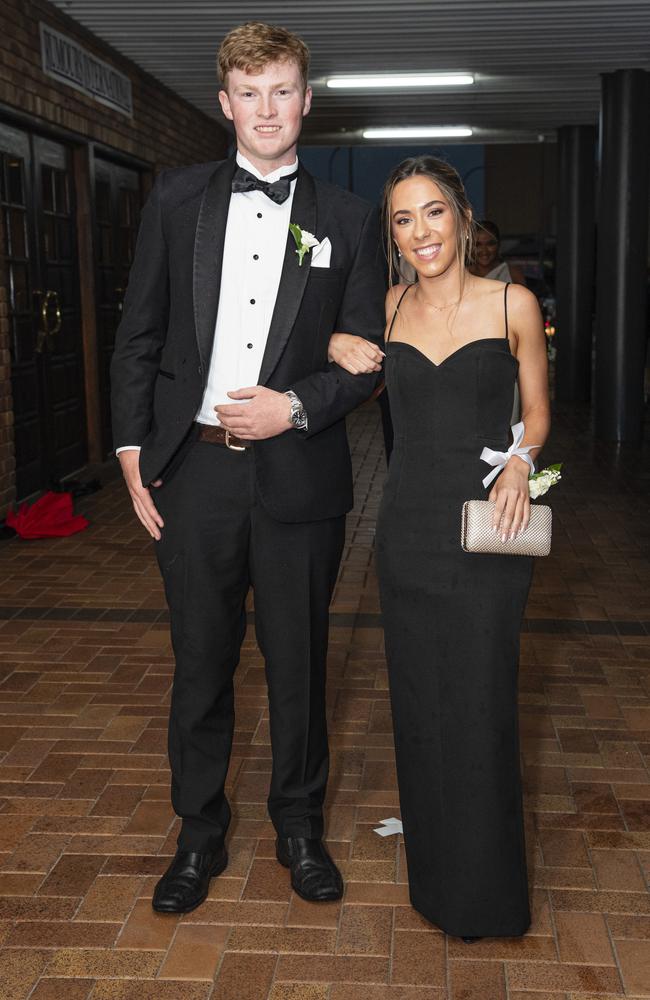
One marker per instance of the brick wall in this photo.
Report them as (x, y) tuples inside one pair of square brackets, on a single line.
[(165, 131)]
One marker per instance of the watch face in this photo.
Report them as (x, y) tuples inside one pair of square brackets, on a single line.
[(298, 417)]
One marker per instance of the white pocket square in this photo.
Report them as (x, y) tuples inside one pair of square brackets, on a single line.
[(322, 253)]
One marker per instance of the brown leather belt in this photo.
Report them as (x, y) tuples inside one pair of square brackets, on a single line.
[(219, 435)]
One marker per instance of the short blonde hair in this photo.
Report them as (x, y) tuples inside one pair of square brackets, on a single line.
[(252, 46)]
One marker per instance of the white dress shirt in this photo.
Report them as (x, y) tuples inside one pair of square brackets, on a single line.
[(253, 255), (256, 237)]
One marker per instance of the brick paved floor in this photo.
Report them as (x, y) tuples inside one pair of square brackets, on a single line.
[(86, 826)]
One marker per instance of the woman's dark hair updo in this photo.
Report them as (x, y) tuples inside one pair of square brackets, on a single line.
[(448, 180)]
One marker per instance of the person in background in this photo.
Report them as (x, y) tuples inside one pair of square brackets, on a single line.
[(488, 262)]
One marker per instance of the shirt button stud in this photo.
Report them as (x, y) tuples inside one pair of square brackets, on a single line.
[(252, 302), (259, 215), (256, 256), (249, 346)]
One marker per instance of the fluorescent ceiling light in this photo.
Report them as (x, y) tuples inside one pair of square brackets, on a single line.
[(389, 81), (423, 132)]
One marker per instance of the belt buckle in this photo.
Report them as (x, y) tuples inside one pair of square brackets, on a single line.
[(233, 447)]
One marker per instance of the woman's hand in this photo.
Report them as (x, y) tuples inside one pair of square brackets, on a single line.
[(356, 355), (512, 500)]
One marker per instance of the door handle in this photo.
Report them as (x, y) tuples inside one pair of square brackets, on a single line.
[(49, 299)]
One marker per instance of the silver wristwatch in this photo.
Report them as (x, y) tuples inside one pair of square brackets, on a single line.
[(298, 415)]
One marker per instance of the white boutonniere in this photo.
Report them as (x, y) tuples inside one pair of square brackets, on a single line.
[(304, 240), (541, 482)]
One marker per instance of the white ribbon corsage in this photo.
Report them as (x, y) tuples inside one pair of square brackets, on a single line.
[(539, 483), (499, 458), (304, 240)]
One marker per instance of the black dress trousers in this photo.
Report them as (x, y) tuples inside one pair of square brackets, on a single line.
[(217, 541)]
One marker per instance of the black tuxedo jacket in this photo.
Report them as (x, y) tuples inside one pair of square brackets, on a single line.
[(164, 340)]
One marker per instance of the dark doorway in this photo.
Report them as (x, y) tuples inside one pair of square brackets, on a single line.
[(39, 249), (117, 213)]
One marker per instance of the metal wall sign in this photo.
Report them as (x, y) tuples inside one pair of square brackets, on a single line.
[(67, 61)]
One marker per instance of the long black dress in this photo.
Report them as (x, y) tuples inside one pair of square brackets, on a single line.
[(452, 623)]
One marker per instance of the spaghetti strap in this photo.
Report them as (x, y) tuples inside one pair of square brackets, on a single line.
[(392, 322), (505, 304)]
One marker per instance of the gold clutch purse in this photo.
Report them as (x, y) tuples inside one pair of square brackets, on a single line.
[(477, 535)]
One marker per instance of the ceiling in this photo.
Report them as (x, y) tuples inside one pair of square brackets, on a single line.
[(536, 62)]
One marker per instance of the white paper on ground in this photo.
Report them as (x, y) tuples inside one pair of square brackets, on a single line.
[(389, 827)]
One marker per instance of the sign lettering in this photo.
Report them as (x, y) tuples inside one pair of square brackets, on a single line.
[(67, 61)]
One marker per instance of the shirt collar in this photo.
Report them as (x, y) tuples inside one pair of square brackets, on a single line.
[(273, 176)]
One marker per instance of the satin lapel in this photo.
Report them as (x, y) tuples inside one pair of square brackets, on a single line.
[(294, 276), (208, 257)]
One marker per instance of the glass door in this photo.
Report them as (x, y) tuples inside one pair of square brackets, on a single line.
[(38, 240), (59, 314)]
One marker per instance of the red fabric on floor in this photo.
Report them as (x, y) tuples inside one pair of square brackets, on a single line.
[(50, 516)]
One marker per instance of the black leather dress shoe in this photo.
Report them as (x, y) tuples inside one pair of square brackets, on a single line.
[(314, 876), (185, 884)]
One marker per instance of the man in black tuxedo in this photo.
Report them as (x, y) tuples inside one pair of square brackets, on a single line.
[(230, 429)]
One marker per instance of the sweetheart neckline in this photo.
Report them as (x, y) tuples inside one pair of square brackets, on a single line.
[(471, 343)]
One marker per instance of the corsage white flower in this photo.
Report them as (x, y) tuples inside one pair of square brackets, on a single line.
[(304, 240), (541, 482)]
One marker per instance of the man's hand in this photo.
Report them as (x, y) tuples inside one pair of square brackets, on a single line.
[(143, 505), (267, 415)]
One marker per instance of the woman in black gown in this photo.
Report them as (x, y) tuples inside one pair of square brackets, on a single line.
[(455, 345)]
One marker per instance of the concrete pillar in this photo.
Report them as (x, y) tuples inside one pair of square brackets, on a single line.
[(622, 244), (574, 285)]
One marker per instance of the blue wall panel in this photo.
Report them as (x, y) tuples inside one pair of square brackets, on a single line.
[(363, 169)]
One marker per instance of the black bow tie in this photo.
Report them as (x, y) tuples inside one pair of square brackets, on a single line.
[(277, 191)]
